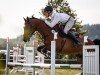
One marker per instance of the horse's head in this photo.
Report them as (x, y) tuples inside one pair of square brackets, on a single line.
[(28, 29), (34, 24)]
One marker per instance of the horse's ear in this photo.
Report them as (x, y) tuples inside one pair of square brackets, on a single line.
[(32, 16), (24, 19), (27, 19)]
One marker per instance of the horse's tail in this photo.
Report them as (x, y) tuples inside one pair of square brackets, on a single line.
[(97, 42)]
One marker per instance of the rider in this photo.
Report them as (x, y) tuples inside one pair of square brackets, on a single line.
[(60, 18)]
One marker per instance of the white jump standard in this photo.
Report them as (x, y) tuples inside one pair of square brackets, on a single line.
[(90, 60)]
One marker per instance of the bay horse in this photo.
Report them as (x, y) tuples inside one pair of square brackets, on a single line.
[(34, 24)]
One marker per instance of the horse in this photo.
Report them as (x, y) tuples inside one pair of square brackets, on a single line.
[(63, 45)]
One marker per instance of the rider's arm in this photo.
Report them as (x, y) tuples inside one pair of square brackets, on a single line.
[(55, 20)]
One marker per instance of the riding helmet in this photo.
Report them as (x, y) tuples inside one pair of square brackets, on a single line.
[(48, 8)]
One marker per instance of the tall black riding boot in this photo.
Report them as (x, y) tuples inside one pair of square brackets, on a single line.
[(73, 37)]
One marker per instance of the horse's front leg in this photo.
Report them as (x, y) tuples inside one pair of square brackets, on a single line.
[(43, 50)]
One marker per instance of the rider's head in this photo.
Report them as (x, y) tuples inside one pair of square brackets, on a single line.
[(48, 11)]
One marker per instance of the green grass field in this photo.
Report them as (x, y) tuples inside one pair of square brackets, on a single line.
[(2, 65), (47, 72), (64, 71)]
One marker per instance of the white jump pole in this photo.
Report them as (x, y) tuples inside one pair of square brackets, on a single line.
[(53, 53), (33, 51), (85, 39), (90, 60), (33, 73), (53, 57), (7, 57)]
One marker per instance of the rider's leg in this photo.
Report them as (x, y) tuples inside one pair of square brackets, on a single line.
[(68, 26), (73, 37)]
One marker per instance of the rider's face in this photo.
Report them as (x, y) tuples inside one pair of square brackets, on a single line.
[(47, 14)]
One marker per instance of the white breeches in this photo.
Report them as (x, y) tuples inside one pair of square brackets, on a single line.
[(69, 25)]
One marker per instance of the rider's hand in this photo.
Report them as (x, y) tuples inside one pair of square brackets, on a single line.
[(42, 19)]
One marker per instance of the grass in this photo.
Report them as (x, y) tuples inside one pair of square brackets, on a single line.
[(58, 72), (64, 71), (2, 71), (2, 65)]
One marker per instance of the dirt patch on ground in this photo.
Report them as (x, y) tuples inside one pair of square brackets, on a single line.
[(2, 72)]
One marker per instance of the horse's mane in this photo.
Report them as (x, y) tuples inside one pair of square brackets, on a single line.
[(32, 18), (39, 21)]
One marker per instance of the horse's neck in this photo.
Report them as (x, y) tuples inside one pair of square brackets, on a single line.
[(43, 29)]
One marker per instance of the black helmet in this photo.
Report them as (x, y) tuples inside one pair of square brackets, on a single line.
[(48, 8)]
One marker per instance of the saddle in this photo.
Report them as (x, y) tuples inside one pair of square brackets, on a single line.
[(60, 29)]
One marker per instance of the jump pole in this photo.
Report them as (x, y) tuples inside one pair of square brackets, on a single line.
[(33, 51), (53, 52), (7, 57), (53, 45), (90, 59)]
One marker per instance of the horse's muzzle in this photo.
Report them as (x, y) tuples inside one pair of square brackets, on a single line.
[(26, 40)]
